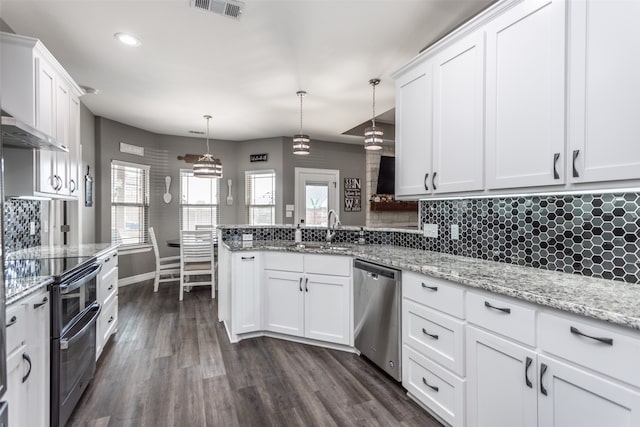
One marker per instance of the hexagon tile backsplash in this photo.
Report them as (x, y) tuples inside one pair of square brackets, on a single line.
[(592, 235)]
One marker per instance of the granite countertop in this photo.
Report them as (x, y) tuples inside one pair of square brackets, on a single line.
[(612, 301), (83, 250), (18, 288)]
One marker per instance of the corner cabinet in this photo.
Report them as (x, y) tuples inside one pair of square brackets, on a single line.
[(107, 288), (28, 352), (37, 90)]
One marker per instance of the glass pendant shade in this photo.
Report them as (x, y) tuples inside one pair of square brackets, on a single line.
[(207, 166), (373, 134), (301, 142)]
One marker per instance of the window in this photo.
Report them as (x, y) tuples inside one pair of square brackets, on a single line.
[(199, 200), (260, 191), (129, 203)]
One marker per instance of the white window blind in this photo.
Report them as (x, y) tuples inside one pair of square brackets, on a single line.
[(260, 191), (199, 201), (129, 203)]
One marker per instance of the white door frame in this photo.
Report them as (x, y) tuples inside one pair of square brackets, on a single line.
[(328, 175)]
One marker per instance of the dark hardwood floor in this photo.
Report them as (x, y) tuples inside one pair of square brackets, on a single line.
[(171, 364)]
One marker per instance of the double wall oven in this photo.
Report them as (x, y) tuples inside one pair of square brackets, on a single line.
[(74, 313)]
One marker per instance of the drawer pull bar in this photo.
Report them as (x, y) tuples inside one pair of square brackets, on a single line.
[(431, 288), (248, 257), (40, 304), (434, 336), (26, 357), (110, 287), (432, 387), (12, 321), (504, 310), (526, 372), (543, 370), (110, 319), (608, 341)]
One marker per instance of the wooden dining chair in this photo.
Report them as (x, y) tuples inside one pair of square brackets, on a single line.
[(167, 268), (197, 262)]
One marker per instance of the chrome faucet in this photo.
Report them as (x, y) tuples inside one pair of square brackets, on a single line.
[(332, 231)]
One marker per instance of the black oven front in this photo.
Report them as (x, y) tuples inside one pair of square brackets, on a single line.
[(74, 314)]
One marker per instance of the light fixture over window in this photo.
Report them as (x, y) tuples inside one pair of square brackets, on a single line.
[(301, 142), (207, 166), (373, 134)]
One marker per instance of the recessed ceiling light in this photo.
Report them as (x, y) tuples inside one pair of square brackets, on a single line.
[(90, 90), (128, 39)]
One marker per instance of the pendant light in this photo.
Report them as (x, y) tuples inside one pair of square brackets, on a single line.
[(207, 166), (373, 134), (301, 142)]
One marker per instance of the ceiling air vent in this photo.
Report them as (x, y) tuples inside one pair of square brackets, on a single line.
[(230, 8)]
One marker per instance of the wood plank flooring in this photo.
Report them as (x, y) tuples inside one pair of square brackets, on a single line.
[(171, 364)]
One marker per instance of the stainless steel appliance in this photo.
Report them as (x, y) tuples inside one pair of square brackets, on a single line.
[(74, 312), (377, 297)]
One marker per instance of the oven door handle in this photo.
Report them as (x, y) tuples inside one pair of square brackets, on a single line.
[(83, 277), (64, 342)]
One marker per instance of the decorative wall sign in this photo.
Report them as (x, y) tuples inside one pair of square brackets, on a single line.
[(259, 157), (88, 189), (352, 194)]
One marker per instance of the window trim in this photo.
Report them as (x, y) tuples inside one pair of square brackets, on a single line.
[(248, 206), (147, 204), (181, 205)]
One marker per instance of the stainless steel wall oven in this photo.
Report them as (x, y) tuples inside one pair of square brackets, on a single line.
[(74, 312)]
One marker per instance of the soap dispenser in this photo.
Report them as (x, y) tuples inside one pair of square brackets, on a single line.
[(298, 234), (361, 240)]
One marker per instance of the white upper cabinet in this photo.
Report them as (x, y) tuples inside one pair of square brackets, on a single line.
[(45, 98), (458, 105), (525, 106), (414, 131), (604, 89)]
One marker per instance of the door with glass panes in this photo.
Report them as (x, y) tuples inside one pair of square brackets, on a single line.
[(316, 192)]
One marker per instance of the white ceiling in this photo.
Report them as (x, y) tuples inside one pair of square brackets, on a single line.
[(244, 73)]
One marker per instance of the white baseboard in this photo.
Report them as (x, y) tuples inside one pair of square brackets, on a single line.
[(126, 281)]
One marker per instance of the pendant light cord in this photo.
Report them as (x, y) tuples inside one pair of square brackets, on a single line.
[(208, 118), (373, 120), (301, 96)]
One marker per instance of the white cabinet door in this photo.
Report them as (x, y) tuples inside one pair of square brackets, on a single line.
[(46, 171), (604, 89), (327, 308), (525, 90), (572, 397), (45, 102), (283, 302), (17, 395), (75, 162), (458, 107), (246, 293), (38, 336), (413, 131), (501, 382)]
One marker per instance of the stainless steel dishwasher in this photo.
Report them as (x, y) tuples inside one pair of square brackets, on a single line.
[(377, 298)]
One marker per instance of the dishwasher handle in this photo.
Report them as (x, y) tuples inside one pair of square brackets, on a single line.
[(376, 269)]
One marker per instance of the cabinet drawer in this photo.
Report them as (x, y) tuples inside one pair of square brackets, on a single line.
[(283, 261), (328, 265), (618, 359), (108, 285), (16, 322), (502, 316), (433, 334), (434, 293), (436, 388), (109, 263), (109, 320)]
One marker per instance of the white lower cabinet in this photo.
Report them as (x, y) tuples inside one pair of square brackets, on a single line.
[(107, 290), (530, 366), (246, 293), (28, 353), (501, 382), (570, 396), (306, 304)]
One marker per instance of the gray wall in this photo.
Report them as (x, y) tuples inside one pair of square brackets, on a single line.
[(88, 141), (349, 159)]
